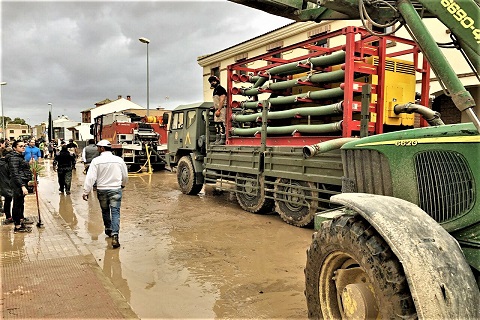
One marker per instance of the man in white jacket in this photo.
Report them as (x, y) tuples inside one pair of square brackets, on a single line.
[(109, 173)]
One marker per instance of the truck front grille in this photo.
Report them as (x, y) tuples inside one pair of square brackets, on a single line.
[(445, 184)]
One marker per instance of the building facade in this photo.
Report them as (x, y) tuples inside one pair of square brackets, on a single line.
[(102, 107), (15, 131)]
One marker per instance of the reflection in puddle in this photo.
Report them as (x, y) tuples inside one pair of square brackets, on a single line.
[(113, 269), (65, 209)]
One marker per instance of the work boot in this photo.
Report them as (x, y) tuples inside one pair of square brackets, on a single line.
[(217, 139), (22, 228), (26, 221), (115, 242), (222, 140)]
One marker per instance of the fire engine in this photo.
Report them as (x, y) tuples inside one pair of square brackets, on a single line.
[(139, 139)]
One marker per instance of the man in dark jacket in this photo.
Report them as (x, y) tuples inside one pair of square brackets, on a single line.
[(63, 164), (5, 189), (20, 175)]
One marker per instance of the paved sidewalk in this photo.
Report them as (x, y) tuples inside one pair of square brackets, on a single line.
[(49, 273)]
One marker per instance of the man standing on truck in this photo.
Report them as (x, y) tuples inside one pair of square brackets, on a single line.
[(219, 103), (110, 174)]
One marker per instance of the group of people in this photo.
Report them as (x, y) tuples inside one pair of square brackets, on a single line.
[(105, 173), (15, 175)]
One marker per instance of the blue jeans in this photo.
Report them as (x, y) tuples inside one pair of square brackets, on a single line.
[(110, 202)]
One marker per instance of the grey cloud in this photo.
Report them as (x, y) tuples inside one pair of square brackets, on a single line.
[(74, 54)]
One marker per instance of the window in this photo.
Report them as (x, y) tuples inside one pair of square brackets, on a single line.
[(215, 72), (191, 115), (24, 131), (318, 32), (272, 47), (240, 58), (276, 55), (177, 122), (12, 131)]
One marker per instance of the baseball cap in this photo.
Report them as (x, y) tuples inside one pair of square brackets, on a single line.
[(104, 143)]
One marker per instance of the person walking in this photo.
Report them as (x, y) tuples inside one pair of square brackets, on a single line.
[(32, 151), (63, 164), (219, 104), (88, 154), (41, 146), (110, 174), (73, 148), (5, 188), (20, 175), (51, 149)]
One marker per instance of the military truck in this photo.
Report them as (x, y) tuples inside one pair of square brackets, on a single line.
[(275, 108)]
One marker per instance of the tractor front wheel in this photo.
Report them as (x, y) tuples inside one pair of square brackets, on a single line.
[(351, 273)]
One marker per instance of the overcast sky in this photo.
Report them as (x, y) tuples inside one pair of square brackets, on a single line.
[(73, 54)]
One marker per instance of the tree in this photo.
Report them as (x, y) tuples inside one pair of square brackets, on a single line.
[(17, 121), (7, 119)]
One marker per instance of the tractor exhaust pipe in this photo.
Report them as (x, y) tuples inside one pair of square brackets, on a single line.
[(432, 117), (310, 151)]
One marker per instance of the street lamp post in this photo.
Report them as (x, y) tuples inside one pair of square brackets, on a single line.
[(3, 115), (147, 41), (50, 124)]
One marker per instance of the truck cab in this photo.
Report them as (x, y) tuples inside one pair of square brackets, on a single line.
[(187, 141)]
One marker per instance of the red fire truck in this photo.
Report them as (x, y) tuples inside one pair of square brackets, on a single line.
[(139, 139)]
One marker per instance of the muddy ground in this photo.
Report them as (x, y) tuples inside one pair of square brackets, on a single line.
[(190, 256)]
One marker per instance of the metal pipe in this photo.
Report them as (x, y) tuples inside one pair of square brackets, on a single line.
[(334, 76), (247, 78), (321, 147), (432, 117), (326, 61), (315, 95), (322, 61), (325, 94), (335, 108), (260, 82), (284, 130)]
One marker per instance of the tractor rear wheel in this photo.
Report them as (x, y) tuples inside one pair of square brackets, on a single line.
[(291, 203), (351, 273), (186, 176), (251, 194)]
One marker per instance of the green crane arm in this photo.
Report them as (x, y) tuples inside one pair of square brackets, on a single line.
[(461, 17)]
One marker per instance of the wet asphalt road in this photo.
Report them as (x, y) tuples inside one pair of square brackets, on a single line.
[(190, 256)]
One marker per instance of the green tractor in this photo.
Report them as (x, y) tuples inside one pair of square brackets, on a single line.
[(407, 241)]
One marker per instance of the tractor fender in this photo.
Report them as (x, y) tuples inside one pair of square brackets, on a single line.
[(440, 280)]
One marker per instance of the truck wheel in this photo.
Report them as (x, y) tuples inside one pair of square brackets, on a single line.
[(351, 273), (290, 202), (251, 198), (186, 176)]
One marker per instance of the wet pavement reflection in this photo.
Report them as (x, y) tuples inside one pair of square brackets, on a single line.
[(188, 256)]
